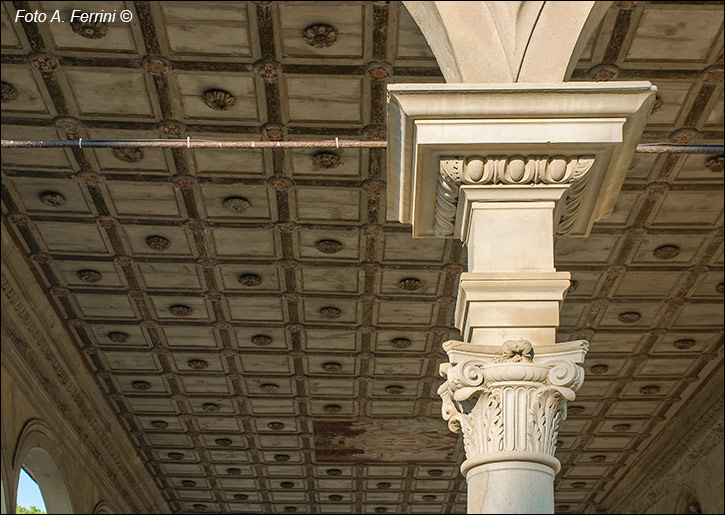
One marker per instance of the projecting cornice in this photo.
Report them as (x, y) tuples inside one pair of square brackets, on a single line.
[(578, 134)]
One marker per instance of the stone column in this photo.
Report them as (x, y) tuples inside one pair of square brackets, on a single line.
[(505, 168), (508, 403)]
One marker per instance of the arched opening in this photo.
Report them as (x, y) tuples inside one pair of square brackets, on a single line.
[(29, 498), (42, 469), (688, 503), (102, 507), (3, 508)]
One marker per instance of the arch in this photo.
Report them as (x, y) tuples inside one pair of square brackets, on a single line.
[(103, 507), (5, 488), (3, 508), (524, 41), (38, 452)]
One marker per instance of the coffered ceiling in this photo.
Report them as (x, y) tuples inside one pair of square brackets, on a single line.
[(270, 342)]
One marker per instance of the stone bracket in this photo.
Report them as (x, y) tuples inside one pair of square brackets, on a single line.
[(513, 170)]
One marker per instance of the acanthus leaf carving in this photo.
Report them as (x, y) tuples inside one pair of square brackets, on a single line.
[(449, 183), (484, 389)]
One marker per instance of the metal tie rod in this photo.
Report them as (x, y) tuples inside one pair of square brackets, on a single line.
[(647, 148)]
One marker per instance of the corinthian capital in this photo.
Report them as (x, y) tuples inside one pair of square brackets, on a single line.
[(509, 401)]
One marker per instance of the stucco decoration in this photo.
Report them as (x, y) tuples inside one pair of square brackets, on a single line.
[(269, 387), (603, 72), (274, 131), (666, 252), (171, 127), (141, 385), (156, 65), (250, 280), (401, 343), (326, 160), (89, 29), (52, 199), (410, 284), (629, 317), (68, 124), (599, 369), (684, 136), (713, 74), (268, 70), (218, 99), (328, 246), (45, 63), (158, 243), (128, 154), (89, 276), (320, 35), (236, 205), (118, 336), (715, 164), (379, 70), (9, 93), (262, 340), (180, 310), (684, 344), (488, 388), (332, 366), (330, 313)]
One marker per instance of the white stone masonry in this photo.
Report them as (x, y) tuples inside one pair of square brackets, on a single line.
[(505, 168)]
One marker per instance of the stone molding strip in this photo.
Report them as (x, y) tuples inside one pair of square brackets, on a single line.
[(510, 170), (683, 450)]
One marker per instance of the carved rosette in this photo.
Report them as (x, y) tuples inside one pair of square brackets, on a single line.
[(488, 396), (509, 170)]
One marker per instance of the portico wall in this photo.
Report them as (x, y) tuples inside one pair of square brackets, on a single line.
[(55, 421)]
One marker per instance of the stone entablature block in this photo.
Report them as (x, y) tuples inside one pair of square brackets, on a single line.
[(512, 134)]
